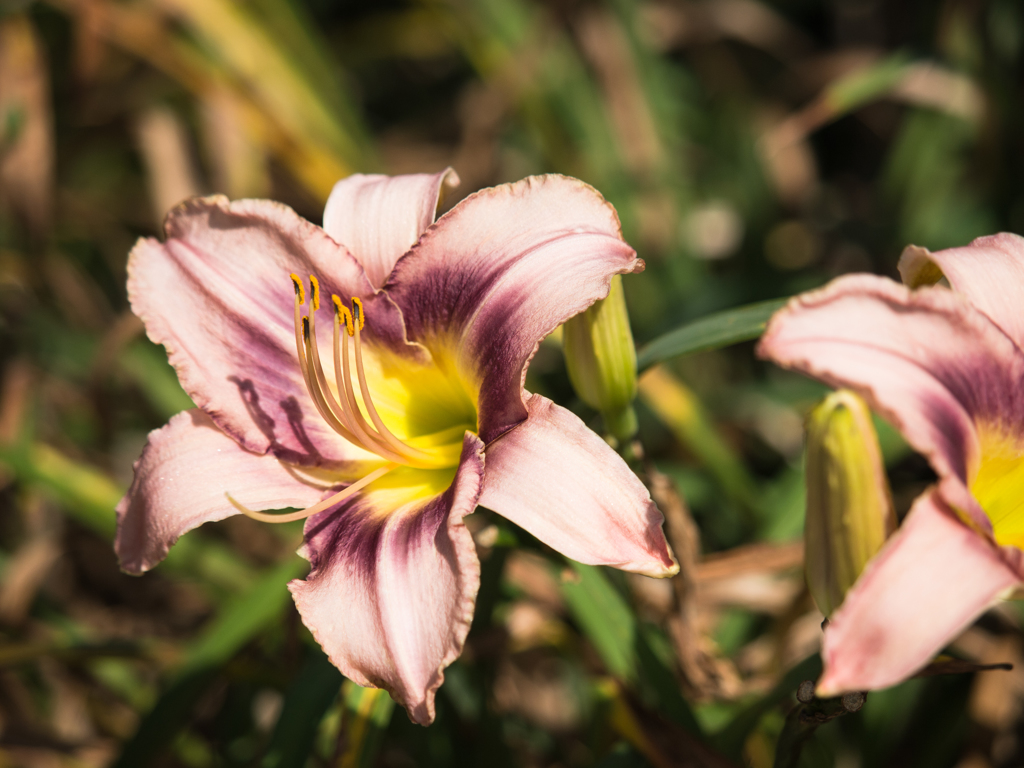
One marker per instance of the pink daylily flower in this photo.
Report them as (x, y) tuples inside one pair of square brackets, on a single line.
[(945, 367), (391, 413)]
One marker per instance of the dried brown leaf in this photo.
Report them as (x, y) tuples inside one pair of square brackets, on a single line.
[(26, 124), (608, 51), (171, 174)]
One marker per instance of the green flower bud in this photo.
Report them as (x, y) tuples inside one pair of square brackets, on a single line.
[(601, 359), (849, 508)]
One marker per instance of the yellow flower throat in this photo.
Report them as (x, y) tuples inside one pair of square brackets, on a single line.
[(347, 405), (999, 485)]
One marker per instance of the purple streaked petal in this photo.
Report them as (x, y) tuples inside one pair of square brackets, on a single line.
[(379, 218), (500, 271), (180, 480), (218, 296), (927, 360), (929, 582), (391, 592), (561, 482), (989, 273)]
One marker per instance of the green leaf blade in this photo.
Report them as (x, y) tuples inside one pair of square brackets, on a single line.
[(309, 697), (605, 619), (235, 624), (712, 332)]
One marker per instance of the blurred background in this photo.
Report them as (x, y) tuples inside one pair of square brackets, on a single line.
[(752, 149)]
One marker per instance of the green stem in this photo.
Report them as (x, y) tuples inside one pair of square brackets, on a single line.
[(804, 719), (621, 423)]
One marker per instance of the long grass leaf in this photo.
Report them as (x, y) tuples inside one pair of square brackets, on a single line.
[(237, 623), (308, 698), (721, 329)]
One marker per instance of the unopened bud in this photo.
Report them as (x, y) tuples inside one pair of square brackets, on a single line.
[(601, 360), (849, 508)]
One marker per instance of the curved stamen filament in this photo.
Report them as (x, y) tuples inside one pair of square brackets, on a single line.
[(352, 427), (303, 328), (355, 415), (300, 299), (342, 411), (352, 414), (384, 432), (322, 398), (316, 382), (411, 454), (327, 503)]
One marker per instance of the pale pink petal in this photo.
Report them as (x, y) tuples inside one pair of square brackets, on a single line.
[(989, 273), (561, 482), (180, 481), (391, 593), (930, 581), (218, 295), (926, 360), (378, 218), (499, 272)]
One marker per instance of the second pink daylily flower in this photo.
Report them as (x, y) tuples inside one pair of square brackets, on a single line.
[(371, 373), (946, 367)]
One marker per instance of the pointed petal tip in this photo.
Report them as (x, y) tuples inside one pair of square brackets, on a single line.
[(972, 271), (916, 267), (836, 681), (390, 597), (670, 570), (660, 563), (930, 581), (134, 566), (557, 479), (420, 709), (838, 678), (190, 204), (179, 485), (450, 178), (418, 702), (828, 687), (660, 570)]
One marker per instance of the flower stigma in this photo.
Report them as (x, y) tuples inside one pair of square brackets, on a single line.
[(346, 403)]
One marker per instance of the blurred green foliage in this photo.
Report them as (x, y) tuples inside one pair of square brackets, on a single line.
[(752, 149)]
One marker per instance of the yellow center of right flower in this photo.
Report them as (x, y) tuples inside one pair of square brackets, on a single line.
[(999, 485)]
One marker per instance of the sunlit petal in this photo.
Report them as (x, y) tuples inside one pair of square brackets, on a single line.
[(502, 270), (391, 593), (217, 293), (180, 481), (378, 218), (989, 273), (929, 582), (561, 482), (929, 362)]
